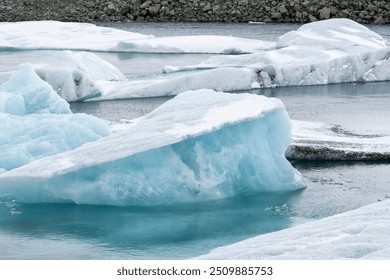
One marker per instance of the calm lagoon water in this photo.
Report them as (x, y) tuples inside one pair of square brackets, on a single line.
[(68, 231)]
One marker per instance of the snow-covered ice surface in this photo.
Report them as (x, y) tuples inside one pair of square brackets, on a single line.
[(195, 44), (61, 36), (35, 122), (319, 141), (84, 36), (324, 52), (198, 146), (224, 79), (359, 234)]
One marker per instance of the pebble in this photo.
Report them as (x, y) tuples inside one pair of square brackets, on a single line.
[(290, 11)]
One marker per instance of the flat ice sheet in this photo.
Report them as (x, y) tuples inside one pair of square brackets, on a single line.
[(85, 36)]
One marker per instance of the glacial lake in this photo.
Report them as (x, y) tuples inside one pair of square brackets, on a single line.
[(69, 231)]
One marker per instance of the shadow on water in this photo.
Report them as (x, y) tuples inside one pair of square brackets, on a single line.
[(178, 231)]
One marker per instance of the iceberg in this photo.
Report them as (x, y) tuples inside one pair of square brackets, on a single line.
[(35, 122), (54, 35), (195, 44), (200, 145), (324, 52), (359, 234), (224, 79), (74, 75), (346, 52)]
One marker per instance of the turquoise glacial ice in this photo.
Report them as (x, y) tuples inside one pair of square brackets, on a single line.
[(201, 145)]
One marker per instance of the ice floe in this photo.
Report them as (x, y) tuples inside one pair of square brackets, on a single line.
[(200, 145), (89, 37), (74, 75), (35, 122), (325, 52), (330, 51)]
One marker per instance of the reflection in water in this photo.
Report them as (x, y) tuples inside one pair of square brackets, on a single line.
[(179, 231), (187, 230)]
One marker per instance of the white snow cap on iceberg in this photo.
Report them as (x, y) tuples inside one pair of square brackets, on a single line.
[(359, 234), (36, 122), (74, 75), (62, 36), (201, 145)]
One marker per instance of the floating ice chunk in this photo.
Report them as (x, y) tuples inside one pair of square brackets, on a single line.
[(195, 44), (85, 36), (27, 138), (62, 36), (334, 34), (224, 79), (329, 51), (39, 97), (36, 122), (198, 146), (73, 75), (360, 234)]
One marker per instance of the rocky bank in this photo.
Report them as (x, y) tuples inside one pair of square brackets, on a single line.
[(291, 11)]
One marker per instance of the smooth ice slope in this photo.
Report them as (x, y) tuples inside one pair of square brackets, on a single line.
[(74, 75), (85, 36), (198, 146), (360, 234), (35, 122)]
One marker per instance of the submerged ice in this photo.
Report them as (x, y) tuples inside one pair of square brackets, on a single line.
[(35, 122), (201, 145)]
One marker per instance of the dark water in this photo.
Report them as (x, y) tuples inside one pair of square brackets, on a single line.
[(68, 231)]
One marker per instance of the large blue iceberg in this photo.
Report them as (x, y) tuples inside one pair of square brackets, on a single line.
[(201, 145), (35, 122)]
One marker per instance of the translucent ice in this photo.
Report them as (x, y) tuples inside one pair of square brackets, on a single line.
[(35, 122), (198, 146)]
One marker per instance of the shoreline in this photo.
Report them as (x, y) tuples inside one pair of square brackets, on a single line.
[(267, 11)]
